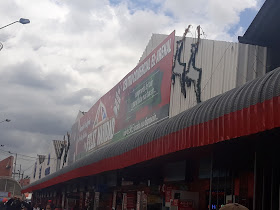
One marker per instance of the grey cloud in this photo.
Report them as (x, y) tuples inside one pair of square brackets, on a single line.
[(87, 5), (34, 40), (4, 37), (36, 112), (29, 74), (82, 16), (26, 74), (78, 97), (25, 142), (48, 122)]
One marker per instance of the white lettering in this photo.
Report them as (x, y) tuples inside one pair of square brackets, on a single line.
[(100, 135)]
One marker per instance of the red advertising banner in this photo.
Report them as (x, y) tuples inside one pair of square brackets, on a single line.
[(139, 100), (168, 194), (131, 200), (185, 205)]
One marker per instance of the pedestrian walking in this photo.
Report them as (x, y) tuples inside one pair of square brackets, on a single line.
[(36, 207)]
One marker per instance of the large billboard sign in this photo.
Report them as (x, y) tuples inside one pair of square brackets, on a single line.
[(139, 100)]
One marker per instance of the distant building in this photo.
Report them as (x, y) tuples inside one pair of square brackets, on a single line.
[(54, 159), (6, 166), (24, 182), (9, 187)]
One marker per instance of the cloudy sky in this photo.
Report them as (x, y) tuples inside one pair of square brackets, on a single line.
[(74, 51)]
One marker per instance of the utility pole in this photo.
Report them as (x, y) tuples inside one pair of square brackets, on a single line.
[(19, 172), (15, 167)]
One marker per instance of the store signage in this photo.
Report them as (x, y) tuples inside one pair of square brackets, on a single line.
[(185, 204), (139, 100), (168, 194), (131, 200), (126, 183), (175, 202)]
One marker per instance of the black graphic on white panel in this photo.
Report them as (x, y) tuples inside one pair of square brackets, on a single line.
[(189, 74)]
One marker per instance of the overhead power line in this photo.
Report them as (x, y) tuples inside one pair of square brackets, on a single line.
[(13, 153)]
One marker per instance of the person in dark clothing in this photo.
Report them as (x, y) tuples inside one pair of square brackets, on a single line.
[(26, 205), (48, 207), (17, 204), (51, 204), (2, 206)]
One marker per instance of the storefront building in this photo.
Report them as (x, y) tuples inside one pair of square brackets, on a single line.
[(194, 126)]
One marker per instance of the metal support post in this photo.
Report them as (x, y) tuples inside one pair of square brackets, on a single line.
[(232, 185), (211, 179), (14, 176), (272, 189), (255, 181), (225, 194)]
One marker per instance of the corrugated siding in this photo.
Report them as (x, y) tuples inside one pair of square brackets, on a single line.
[(251, 63), (225, 65), (155, 40)]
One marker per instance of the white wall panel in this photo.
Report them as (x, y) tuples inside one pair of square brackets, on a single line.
[(206, 57), (155, 40), (230, 67), (218, 67), (251, 63), (224, 65)]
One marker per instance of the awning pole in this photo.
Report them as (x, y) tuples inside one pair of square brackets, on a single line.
[(225, 193), (263, 190), (232, 185), (218, 188), (255, 181), (211, 175), (271, 193), (279, 197)]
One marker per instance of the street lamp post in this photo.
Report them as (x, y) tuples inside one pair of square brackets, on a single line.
[(7, 120), (21, 20)]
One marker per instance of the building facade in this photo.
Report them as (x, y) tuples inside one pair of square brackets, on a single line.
[(50, 162), (194, 125), (24, 182), (6, 166)]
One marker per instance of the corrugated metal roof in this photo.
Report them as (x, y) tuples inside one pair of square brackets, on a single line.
[(251, 108)]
